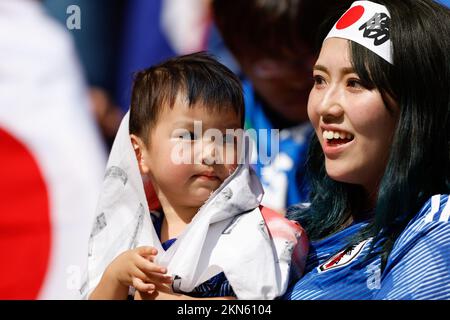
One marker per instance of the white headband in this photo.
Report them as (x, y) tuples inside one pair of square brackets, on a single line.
[(368, 24)]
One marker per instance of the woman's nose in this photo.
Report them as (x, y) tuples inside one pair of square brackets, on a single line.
[(331, 105)]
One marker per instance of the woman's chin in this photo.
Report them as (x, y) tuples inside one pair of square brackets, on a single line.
[(339, 176)]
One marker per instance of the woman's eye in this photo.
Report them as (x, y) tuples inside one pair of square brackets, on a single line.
[(318, 80), (355, 83)]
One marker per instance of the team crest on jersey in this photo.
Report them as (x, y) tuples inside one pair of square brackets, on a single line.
[(342, 258)]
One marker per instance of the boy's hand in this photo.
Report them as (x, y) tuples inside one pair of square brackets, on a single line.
[(162, 292), (136, 268)]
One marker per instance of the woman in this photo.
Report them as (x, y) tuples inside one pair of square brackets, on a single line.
[(379, 163)]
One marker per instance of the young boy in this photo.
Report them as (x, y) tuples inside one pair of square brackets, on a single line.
[(207, 235)]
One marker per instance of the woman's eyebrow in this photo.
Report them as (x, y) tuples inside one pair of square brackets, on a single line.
[(347, 70), (320, 67), (343, 71)]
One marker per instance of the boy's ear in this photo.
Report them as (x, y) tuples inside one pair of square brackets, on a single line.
[(141, 153)]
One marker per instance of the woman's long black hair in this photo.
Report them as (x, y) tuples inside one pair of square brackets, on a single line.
[(419, 165)]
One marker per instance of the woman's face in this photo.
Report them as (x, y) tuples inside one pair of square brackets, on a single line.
[(352, 123)]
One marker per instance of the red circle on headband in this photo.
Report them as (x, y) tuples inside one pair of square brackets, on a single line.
[(350, 17)]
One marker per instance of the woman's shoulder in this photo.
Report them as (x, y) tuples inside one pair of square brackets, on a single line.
[(428, 231), (421, 251), (431, 218), (436, 209)]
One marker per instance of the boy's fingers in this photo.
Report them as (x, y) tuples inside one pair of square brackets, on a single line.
[(151, 277), (150, 272), (158, 278), (149, 267), (141, 286), (146, 251), (137, 273)]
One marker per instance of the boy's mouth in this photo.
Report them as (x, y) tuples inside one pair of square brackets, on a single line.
[(210, 176)]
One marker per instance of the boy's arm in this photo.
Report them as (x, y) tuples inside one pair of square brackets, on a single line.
[(167, 294), (131, 268), (109, 288)]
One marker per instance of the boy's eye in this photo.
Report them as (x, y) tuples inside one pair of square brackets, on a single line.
[(187, 135)]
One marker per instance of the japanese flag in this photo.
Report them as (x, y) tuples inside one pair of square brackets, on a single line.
[(51, 158)]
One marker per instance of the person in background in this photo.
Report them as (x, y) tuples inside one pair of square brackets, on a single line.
[(273, 42)]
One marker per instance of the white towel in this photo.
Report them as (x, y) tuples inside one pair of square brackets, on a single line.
[(227, 234)]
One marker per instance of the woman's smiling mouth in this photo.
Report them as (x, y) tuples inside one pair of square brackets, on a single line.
[(335, 141)]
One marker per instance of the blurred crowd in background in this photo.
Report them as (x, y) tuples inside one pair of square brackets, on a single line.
[(117, 38), (66, 70)]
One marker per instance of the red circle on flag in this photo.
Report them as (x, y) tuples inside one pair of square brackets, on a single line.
[(350, 17), (25, 229)]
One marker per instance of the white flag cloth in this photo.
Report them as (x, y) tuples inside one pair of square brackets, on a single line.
[(228, 233), (44, 108)]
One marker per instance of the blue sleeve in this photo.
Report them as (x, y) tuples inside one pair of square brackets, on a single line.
[(217, 286), (418, 267)]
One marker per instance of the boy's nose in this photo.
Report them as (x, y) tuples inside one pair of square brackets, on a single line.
[(209, 153)]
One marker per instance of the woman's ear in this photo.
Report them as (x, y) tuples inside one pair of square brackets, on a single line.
[(140, 151)]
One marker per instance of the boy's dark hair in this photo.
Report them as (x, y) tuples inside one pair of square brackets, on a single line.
[(199, 76), (270, 28)]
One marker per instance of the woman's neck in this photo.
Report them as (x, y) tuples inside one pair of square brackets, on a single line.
[(363, 209)]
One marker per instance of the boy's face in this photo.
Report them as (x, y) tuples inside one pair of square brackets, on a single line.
[(182, 160)]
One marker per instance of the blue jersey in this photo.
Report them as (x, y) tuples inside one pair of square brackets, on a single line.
[(418, 266)]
